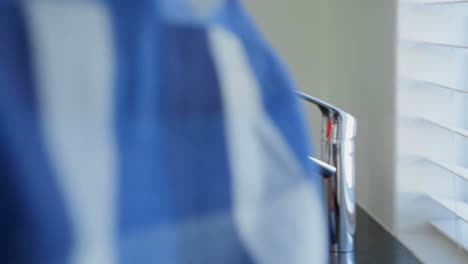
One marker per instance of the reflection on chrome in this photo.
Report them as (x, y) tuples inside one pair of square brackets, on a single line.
[(337, 166), (342, 258)]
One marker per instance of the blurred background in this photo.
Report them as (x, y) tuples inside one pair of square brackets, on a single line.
[(398, 66)]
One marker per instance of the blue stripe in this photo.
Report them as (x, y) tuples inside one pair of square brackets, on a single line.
[(189, 11), (174, 168), (279, 99), (192, 112), (33, 223), (143, 193), (194, 143)]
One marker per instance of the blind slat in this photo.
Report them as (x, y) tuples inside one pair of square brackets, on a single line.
[(458, 131), (456, 230), (444, 45), (448, 2), (457, 207), (432, 84), (457, 170)]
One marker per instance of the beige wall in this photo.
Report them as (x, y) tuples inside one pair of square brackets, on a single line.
[(297, 30)]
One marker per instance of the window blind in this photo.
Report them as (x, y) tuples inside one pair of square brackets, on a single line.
[(432, 173)]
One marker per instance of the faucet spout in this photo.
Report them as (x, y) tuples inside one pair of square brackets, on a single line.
[(337, 151)]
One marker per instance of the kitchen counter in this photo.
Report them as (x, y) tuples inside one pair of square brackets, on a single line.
[(374, 245)]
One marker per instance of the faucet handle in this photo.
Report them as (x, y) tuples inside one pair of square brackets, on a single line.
[(338, 124), (326, 170)]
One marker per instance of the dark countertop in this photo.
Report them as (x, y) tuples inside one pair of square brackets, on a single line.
[(374, 245)]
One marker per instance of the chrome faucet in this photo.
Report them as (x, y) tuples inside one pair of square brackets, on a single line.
[(337, 169)]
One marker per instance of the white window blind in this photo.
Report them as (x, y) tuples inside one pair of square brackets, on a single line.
[(432, 176)]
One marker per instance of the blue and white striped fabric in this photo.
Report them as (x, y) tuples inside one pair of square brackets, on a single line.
[(150, 132)]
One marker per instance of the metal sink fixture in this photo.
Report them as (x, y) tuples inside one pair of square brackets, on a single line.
[(337, 165)]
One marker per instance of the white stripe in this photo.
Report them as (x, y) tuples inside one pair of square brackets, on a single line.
[(278, 214), (74, 67)]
